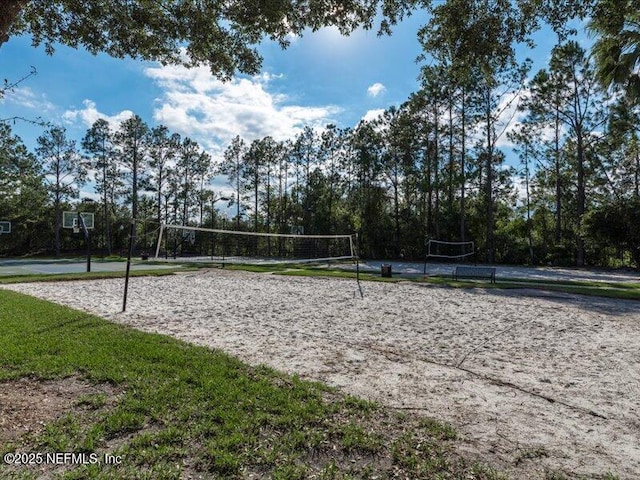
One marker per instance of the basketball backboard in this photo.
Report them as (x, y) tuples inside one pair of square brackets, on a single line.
[(70, 220), (5, 227)]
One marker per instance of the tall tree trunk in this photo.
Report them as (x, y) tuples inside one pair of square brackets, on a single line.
[(396, 211), (256, 185), (331, 187), (581, 200), (429, 191), (282, 202), (436, 168), (556, 153), (268, 206), (159, 203), (185, 205), (57, 211), (280, 214), (201, 201), (268, 197), (490, 234), (107, 220), (307, 192), (637, 175), (451, 161), (238, 192), (529, 226), (285, 206), (134, 200), (9, 11), (463, 166)]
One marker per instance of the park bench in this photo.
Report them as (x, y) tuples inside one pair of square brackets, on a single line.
[(475, 272)]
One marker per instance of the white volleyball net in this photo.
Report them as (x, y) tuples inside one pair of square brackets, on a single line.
[(198, 244), (438, 249)]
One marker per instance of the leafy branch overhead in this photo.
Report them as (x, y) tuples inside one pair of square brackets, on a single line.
[(222, 34)]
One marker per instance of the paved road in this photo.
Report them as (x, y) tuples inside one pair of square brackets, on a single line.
[(509, 272), (53, 266)]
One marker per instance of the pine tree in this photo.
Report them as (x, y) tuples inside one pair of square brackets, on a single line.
[(64, 170)]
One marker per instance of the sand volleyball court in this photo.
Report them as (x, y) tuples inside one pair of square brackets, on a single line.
[(532, 381)]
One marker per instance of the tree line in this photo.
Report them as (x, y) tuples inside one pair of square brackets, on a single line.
[(430, 168), (433, 168), (137, 172)]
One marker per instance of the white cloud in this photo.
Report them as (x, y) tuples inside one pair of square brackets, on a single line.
[(376, 89), (507, 118), (373, 115), (213, 112), (89, 114), (87, 192), (510, 119), (27, 98)]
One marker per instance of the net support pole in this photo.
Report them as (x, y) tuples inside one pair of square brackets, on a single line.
[(426, 256), (224, 227), (357, 265), (159, 240), (126, 277)]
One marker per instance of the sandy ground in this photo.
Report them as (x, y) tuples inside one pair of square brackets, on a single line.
[(533, 382)]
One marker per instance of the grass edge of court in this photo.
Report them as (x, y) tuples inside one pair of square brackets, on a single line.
[(61, 277), (614, 290), (621, 291)]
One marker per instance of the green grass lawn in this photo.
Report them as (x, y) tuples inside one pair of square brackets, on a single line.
[(185, 411), (619, 290), (58, 277), (623, 291)]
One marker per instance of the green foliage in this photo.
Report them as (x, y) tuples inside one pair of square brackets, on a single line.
[(477, 34), (23, 197), (220, 34), (98, 144), (616, 225), (617, 48), (64, 173)]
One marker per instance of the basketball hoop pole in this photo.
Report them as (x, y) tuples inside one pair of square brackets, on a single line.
[(87, 240), (126, 277)]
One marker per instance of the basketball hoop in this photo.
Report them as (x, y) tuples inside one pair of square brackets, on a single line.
[(70, 220), (80, 222)]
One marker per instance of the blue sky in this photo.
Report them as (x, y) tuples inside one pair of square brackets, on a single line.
[(321, 78)]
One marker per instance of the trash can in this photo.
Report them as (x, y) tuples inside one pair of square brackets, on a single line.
[(385, 270)]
